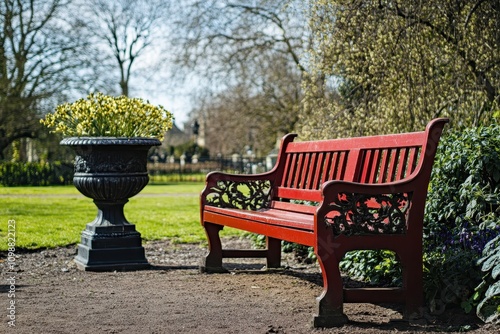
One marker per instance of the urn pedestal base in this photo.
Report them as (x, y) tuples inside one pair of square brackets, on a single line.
[(110, 250), (110, 242)]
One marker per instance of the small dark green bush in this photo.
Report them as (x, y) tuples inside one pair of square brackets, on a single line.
[(462, 213), (373, 266), (302, 253), (35, 173), (449, 277), (486, 298)]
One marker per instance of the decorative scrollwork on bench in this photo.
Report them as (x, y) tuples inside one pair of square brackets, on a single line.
[(247, 195), (357, 214)]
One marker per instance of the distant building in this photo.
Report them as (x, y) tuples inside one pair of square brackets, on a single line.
[(175, 137)]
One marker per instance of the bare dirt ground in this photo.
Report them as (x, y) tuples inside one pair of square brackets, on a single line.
[(52, 296)]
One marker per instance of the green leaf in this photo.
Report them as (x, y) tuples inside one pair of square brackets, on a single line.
[(496, 175), (466, 306), (495, 273), (488, 311), (493, 290), (476, 296), (490, 262)]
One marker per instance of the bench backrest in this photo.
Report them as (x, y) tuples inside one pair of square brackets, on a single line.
[(302, 167)]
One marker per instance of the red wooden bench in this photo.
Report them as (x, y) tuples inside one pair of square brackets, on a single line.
[(335, 195)]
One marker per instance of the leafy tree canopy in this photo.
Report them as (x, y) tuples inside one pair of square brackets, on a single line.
[(397, 64)]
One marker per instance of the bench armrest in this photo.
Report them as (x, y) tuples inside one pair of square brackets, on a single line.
[(350, 208), (239, 191)]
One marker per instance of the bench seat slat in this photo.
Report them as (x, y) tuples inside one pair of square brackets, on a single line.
[(302, 221), (279, 229)]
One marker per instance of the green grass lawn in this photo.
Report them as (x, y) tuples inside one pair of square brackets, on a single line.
[(55, 216)]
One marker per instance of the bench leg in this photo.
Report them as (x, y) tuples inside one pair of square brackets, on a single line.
[(212, 262), (413, 285), (273, 257), (330, 302)]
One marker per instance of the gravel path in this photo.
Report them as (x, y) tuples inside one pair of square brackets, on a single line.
[(52, 296)]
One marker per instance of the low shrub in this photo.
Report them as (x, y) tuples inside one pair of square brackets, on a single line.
[(176, 177), (486, 298), (449, 278), (35, 173), (379, 267)]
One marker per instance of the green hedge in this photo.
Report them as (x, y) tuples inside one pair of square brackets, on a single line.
[(35, 173)]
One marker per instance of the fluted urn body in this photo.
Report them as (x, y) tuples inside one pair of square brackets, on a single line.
[(110, 171)]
